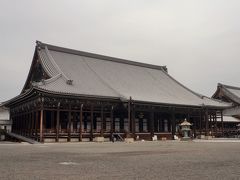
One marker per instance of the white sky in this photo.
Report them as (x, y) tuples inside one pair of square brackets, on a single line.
[(198, 40)]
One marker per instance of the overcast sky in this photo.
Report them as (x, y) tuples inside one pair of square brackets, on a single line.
[(198, 40)]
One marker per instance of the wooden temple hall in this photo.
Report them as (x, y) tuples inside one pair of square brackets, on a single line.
[(71, 95)]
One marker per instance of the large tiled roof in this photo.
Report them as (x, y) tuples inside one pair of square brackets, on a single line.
[(74, 72)]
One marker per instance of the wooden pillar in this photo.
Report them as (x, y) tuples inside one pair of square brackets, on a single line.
[(23, 124), (57, 123), (18, 123), (91, 131), (133, 121), (32, 127), (29, 124), (215, 124), (26, 124), (44, 122), (80, 122), (194, 127), (52, 120), (222, 123), (206, 123), (211, 123), (41, 125), (36, 124), (111, 119), (200, 123), (173, 122), (188, 115), (15, 128), (102, 117), (152, 122), (69, 125), (129, 115)]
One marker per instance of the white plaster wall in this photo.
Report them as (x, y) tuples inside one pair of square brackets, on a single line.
[(4, 114)]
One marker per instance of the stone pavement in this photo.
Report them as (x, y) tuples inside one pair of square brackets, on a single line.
[(138, 160)]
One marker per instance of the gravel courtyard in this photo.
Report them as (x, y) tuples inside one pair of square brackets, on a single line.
[(139, 160)]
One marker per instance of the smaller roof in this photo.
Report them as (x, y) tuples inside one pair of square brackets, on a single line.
[(234, 111), (229, 119), (230, 92)]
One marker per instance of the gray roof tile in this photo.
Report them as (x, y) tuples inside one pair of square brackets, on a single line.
[(97, 75)]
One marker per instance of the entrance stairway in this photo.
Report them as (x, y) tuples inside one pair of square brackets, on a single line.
[(118, 137), (22, 138)]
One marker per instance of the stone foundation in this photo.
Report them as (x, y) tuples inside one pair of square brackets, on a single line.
[(98, 139), (129, 140)]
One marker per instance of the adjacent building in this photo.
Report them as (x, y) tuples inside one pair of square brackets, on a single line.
[(230, 94), (5, 122), (71, 95)]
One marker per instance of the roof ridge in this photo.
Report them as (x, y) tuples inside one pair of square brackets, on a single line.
[(98, 56)]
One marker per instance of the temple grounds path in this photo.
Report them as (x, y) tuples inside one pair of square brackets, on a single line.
[(139, 160)]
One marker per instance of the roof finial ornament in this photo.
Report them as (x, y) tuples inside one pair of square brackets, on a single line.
[(38, 42)]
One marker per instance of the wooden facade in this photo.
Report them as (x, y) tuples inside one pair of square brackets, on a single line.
[(58, 118)]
